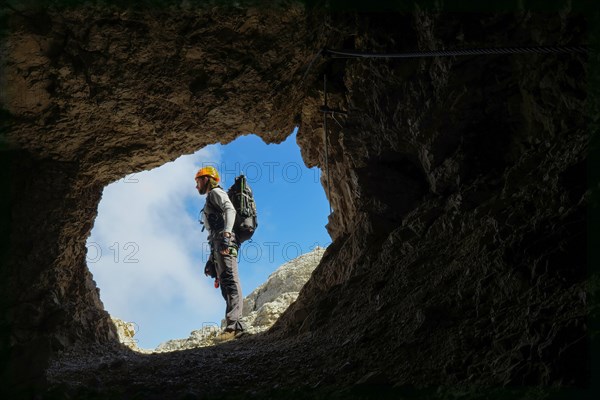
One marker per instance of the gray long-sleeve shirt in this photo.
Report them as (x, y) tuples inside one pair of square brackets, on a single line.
[(217, 202)]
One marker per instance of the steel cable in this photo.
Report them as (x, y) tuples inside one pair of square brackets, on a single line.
[(458, 52)]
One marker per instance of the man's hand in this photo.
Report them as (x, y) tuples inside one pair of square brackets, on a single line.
[(225, 242), (210, 269)]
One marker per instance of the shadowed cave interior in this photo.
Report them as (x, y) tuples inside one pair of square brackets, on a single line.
[(460, 187)]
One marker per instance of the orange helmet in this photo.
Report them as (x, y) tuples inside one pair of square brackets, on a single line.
[(208, 171)]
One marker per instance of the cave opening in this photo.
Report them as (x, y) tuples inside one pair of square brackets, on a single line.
[(467, 268), (147, 249)]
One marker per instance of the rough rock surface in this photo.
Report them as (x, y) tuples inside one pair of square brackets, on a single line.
[(262, 307), (126, 332), (90, 93), (266, 303), (198, 338), (458, 184)]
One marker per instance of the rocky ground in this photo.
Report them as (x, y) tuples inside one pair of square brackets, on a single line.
[(129, 369), (244, 367)]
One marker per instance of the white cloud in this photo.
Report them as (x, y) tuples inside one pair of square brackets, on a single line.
[(144, 251)]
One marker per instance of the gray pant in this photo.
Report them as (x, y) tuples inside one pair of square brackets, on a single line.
[(227, 271)]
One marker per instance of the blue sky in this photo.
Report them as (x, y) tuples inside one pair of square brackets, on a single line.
[(147, 251)]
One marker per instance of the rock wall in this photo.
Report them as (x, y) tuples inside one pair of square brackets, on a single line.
[(267, 302), (458, 184), (459, 193), (90, 93)]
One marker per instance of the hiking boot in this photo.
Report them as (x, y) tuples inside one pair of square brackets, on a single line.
[(225, 336), (239, 334)]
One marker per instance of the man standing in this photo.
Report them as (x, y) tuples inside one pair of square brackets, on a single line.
[(219, 217)]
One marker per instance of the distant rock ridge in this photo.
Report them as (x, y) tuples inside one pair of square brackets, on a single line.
[(126, 332), (267, 302), (262, 307)]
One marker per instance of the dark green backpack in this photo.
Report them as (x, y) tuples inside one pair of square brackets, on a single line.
[(246, 219)]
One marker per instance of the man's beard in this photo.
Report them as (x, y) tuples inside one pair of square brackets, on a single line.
[(203, 190)]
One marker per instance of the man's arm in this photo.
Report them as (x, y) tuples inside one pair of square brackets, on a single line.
[(223, 202)]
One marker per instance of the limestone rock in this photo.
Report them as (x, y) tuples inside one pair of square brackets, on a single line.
[(198, 338), (288, 278), (126, 332)]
